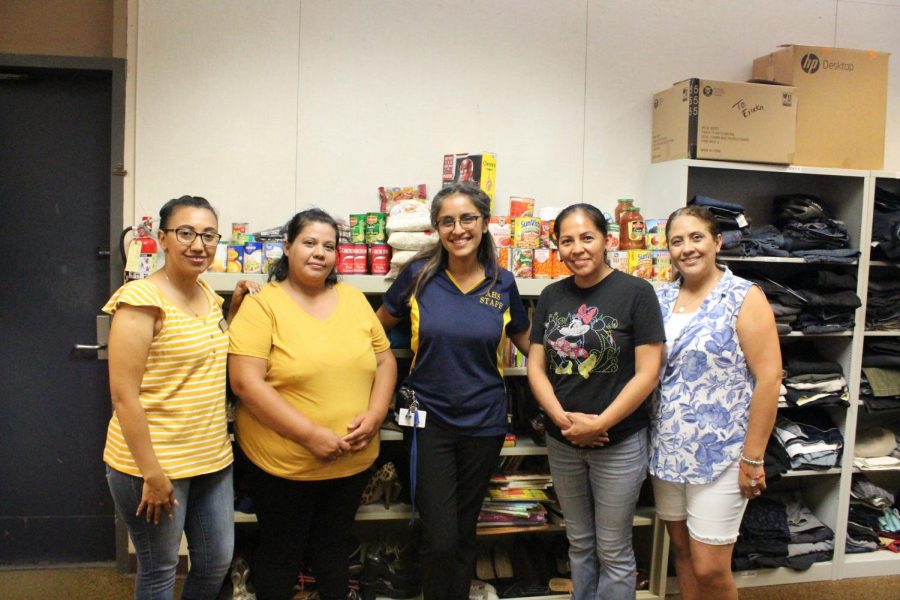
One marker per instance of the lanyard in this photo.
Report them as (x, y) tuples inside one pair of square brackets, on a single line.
[(413, 455)]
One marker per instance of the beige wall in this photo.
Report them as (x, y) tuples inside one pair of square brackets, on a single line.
[(63, 27)]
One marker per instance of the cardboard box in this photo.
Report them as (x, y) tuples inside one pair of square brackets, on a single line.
[(478, 169), (724, 120), (842, 97)]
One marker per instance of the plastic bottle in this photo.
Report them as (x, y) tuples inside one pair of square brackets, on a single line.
[(632, 228), (141, 258), (621, 205)]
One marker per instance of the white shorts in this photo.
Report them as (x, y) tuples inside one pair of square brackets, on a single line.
[(713, 511)]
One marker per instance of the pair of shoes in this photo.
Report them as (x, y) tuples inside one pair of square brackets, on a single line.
[(493, 562), (391, 572), (240, 572), (384, 485)]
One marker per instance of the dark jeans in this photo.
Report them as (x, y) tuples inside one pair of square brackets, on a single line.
[(297, 518), (453, 472)]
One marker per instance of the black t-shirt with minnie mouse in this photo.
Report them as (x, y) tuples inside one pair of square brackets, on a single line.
[(589, 336)]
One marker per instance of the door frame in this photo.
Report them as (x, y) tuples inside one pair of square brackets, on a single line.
[(117, 69)]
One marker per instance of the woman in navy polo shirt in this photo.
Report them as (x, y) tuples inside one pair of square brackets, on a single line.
[(462, 306)]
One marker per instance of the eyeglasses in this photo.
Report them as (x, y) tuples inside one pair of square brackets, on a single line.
[(465, 221), (187, 236)]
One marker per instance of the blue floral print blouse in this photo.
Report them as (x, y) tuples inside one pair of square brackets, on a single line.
[(699, 418)]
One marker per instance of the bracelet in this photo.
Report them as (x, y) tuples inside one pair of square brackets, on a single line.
[(750, 461)]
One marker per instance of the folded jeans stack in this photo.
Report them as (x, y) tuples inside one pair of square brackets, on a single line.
[(811, 380), (883, 301), (886, 225), (730, 217), (780, 531), (808, 438), (822, 302), (873, 522)]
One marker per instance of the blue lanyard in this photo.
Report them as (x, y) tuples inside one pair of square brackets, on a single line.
[(413, 455)]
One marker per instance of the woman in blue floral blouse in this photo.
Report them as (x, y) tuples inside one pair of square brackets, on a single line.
[(717, 405)]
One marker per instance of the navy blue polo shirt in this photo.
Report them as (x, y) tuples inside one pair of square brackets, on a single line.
[(458, 340)]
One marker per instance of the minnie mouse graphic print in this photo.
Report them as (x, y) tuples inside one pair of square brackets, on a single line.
[(589, 336)]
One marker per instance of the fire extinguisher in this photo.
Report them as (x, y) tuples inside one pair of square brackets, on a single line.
[(140, 257)]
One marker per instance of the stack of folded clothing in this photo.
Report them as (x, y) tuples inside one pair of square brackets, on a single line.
[(801, 228), (821, 302), (730, 217), (811, 380), (886, 225), (883, 301), (779, 531), (873, 521), (808, 438), (876, 449), (879, 388)]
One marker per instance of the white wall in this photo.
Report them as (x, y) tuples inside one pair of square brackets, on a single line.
[(267, 107)]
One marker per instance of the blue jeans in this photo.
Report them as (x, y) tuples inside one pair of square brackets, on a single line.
[(205, 513), (598, 490)]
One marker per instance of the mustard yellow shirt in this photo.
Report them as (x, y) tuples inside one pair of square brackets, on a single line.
[(324, 368), (182, 390)]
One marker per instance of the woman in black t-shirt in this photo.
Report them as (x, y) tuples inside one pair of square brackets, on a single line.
[(596, 350)]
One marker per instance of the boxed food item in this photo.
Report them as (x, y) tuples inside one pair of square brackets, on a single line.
[(478, 169), (253, 257), (235, 258), (220, 258), (724, 120), (500, 229), (272, 253), (842, 102)]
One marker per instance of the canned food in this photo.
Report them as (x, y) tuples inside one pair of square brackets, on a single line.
[(543, 264), (358, 229), (521, 207), (522, 262), (346, 254), (360, 259), (503, 257), (546, 229), (618, 259), (526, 232), (379, 259), (612, 236), (560, 269), (375, 223)]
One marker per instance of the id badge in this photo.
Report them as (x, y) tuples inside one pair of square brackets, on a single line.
[(405, 418)]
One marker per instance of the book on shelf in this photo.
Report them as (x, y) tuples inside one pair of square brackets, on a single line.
[(517, 494)]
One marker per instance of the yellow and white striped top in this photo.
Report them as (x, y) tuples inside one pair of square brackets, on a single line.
[(183, 388)]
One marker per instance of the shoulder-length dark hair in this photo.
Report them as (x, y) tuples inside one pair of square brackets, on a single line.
[(436, 257), (303, 218)]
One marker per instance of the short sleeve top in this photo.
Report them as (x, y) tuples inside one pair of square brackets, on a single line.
[(458, 340)]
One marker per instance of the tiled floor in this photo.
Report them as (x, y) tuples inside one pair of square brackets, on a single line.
[(105, 583)]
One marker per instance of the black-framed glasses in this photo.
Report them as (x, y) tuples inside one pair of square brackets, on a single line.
[(465, 221), (186, 235)]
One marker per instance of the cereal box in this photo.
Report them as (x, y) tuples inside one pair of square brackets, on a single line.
[(662, 266), (618, 259), (640, 263), (477, 169), (253, 257), (272, 253)]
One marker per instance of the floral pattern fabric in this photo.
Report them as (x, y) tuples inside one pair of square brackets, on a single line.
[(699, 418)]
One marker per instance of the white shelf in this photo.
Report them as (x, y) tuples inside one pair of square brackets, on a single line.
[(888, 333), (871, 564), (810, 473), (822, 571), (817, 335), (883, 263), (524, 447), (780, 259)]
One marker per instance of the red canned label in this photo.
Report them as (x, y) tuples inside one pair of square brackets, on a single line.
[(379, 259), (345, 257), (360, 257)]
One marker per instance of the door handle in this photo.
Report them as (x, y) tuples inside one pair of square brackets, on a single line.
[(90, 346), (102, 339)]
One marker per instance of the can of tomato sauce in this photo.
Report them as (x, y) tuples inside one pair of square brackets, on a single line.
[(379, 259), (346, 254)]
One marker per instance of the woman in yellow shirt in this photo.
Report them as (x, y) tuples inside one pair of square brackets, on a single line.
[(167, 447), (314, 373)]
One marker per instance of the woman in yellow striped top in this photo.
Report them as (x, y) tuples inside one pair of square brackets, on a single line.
[(167, 447)]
